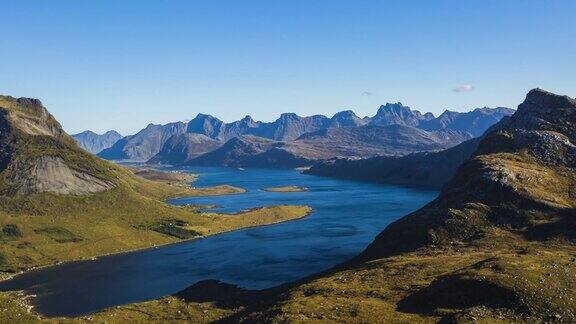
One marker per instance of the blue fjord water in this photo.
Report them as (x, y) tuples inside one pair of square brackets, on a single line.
[(347, 216)]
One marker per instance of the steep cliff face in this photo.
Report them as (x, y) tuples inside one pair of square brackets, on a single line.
[(37, 156)]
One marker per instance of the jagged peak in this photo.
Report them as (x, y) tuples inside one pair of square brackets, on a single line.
[(393, 107), (428, 116), (285, 116), (89, 132), (30, 102), (247, 118), (201, 116), (397, 108), (112, 132), (547, 100), (86, 132), (448, 113), (345, 113)]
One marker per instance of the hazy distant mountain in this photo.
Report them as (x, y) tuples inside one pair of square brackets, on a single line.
[(432, 169), (251, 151), (346, 118), (475, 122), (94, 143), (145, 144), (345, 134), (290, 126), (365, 141), (398, 114), (181, 148), (286, 128)]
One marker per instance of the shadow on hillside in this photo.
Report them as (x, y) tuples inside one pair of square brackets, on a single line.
[(455, 292), (562, 226), (223, 295)]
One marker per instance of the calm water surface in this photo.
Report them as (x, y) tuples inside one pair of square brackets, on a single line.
[(347, 216)]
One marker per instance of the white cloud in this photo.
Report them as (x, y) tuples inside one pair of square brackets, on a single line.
[(463, 88), (367, 93)]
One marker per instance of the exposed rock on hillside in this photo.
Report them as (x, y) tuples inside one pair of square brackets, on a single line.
[(52, 174), (37, 156)]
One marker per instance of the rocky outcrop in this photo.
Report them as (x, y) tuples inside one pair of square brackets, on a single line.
[(52, 174), (95, 143), (37, 156)]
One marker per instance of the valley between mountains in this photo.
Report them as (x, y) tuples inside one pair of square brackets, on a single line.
[(495, 245)]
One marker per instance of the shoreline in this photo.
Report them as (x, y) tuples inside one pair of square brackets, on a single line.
[(24, 298)]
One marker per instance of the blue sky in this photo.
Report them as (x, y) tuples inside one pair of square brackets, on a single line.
[(121, 64)]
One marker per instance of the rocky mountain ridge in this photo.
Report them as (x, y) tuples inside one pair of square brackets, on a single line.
[(319, 131), (95, 143)]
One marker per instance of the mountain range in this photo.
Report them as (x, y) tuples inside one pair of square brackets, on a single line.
[(428, 169), (394, 130), (95, 143)]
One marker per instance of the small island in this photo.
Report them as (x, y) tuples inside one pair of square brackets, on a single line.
[(287, 189)]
